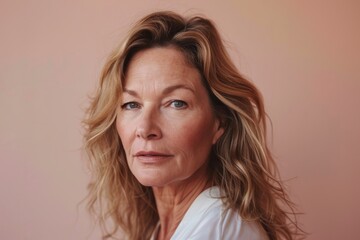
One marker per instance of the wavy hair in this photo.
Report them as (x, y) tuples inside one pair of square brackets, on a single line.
[(241, 163)]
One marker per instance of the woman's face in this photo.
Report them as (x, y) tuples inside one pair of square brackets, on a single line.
[(165, 120)]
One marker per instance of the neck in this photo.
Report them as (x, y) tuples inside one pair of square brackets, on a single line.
[(173, 201)]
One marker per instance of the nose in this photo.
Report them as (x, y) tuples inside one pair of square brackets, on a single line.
[(148, 125)]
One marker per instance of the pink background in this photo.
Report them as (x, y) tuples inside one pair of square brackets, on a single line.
[(303, 55)]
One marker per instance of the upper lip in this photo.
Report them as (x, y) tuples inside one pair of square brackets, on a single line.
[(151, 153)]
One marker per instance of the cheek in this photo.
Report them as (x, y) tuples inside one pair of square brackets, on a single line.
[(195, 138)]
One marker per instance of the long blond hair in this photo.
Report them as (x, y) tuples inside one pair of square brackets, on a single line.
[(241, 163)]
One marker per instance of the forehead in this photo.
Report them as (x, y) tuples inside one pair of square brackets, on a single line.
[(160, 66)]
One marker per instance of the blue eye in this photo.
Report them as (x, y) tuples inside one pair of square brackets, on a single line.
[(178, 104), (130, 105)]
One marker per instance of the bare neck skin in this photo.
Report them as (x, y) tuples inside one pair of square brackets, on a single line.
[(173, 201)]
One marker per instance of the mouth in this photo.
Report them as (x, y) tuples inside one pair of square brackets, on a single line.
[(151, 156)]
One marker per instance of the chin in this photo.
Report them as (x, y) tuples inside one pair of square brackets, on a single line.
[(153, 177), (150, 181)]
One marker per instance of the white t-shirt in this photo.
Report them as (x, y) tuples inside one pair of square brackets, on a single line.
[(208, 219)]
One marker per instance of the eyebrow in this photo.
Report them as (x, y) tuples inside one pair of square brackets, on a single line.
[(166, 91)]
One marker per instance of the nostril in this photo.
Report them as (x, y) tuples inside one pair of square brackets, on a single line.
[(147, 135), (151, 136)]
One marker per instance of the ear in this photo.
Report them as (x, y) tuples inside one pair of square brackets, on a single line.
[(219, 131)]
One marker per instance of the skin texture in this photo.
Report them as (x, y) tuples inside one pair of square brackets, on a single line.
[(167, 127)]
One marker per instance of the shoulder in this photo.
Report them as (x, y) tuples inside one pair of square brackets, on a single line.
[(233, 227), (207, 218)]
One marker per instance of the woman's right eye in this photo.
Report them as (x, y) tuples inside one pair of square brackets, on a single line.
[(130, 105)]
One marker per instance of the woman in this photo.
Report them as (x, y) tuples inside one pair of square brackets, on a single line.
[(176, 140)]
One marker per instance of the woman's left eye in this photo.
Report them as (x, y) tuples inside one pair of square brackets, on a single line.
[(178, 104)]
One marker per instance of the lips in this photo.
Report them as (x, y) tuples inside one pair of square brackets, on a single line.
[(152, 156)]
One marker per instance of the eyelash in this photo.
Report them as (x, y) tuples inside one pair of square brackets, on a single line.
[(126, 106), (179, 101), (134, 105)]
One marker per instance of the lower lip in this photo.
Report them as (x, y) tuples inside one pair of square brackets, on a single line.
[(153, 159)]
